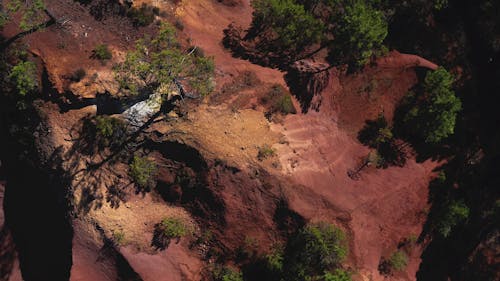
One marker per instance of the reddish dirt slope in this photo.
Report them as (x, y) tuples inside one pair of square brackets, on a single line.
[(381, 208)]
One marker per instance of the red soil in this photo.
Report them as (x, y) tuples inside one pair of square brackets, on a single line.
[(384, 206)]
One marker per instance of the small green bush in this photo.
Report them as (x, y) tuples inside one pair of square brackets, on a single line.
[(265, 152), (173, 228), (168, 229), (24, 77), (398, 260), (118, 237), (143, 171), (101, 52)]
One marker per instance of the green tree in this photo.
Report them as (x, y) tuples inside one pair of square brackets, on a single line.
[(358, 31), (315, 249), (24, 77), (158, 64), (454, 213), (284, 26), (432, 115)]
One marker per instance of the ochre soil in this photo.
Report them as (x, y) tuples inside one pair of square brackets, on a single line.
[(314, 152)]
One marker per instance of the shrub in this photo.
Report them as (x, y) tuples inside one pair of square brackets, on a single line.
[(101, 52), (24, 77), (398, 260), (118, 237), (78, 75), (168, 229), (265, 152), (337, 275), (143, 171), (227, 274), (144, 15), (275, 260), (455, 213), (173, 228), (110, 132), (279, 100)]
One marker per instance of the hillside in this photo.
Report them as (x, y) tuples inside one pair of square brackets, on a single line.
[(195, 140)]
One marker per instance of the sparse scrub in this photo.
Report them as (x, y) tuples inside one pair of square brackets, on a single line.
[(143, 171), (265, 151), (278, 100), (101, 52)]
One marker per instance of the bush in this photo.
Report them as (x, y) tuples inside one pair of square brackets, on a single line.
[(101, 52), (265, 152), (398, 260), (118, 237), (78, 75), (109, 131), (337, 275), (226, 274), (143, 171), (168, 229), (143, 16), (455, 213), (279, 100), (24, 77)]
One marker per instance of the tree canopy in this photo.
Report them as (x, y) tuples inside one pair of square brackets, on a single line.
[(352, 30), (24, 77), (433, 114), (358, 32), (284, 26), (160, 63), (317, 248)]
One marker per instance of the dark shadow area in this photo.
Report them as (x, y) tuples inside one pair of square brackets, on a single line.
[(8, 253), (287, 220), (37, 213), (191, 176)]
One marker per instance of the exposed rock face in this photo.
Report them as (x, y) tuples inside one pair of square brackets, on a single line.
[(307, 79)]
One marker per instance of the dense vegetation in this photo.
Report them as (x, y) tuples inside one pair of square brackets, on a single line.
[(351, 30), (315, 252)]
